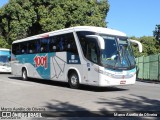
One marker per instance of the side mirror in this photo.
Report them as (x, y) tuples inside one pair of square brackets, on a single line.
[(138, 43), (99, 39)]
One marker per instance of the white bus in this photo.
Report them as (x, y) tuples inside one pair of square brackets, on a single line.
[(79, 55), (5, 56)]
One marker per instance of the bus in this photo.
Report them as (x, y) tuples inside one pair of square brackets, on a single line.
[(5, 56), (78, 55)]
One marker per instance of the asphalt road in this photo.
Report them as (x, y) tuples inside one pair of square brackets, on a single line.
[(45, 95)]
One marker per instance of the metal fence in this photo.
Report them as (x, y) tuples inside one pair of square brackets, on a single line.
[(149, 67)]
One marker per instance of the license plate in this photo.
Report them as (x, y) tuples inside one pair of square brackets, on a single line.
[(122, 82)]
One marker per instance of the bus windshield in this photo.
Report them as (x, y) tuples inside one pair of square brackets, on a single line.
[(4, 59), (117, 53)]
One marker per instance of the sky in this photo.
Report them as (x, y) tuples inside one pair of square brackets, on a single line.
[(134, 17)]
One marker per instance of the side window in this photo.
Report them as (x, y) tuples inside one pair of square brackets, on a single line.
[(92, 51), (32, 46), (16, 48), (44, 45), (71, 44), (89, 46), (83, 40), (61, 42), (65, 42), (23, 48), (53, 44)]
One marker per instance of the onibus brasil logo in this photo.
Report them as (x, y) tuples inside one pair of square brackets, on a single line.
[(41, 61)]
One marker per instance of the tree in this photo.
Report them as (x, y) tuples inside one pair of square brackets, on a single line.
[(150, 46), (156, 32), (3, 43), (16, 17), (23, 18)]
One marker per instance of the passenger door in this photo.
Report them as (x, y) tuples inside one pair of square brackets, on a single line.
[(92, 54)]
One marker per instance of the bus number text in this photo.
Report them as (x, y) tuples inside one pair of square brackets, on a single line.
[(41, 61)]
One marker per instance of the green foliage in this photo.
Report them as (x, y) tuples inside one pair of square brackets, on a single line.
[(150, 46), (16, 16), (3, 43), (156, 32), (23, 18)]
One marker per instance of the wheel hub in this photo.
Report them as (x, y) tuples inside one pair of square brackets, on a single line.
[(74, 80)]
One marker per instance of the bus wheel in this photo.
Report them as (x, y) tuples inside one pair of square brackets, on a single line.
[(73, 80), (24, 74)]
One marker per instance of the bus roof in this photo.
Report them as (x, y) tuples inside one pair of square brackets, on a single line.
[(102, 30), (4, 49), (78, 28)]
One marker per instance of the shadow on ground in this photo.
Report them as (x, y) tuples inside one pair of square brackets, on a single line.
[(132, 103), (69, 111), (121, 105)]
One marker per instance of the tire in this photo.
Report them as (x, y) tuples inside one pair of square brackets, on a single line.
[(24, 74), (73, 80)]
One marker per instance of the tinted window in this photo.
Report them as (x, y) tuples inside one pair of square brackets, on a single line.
[(83, 40), (23, 48), (89, 46), (91, 50), (59, 43), (71, 44), (4, 59), (65, 42), (16, 48), (33, 46), (53, 45), (44, 45)]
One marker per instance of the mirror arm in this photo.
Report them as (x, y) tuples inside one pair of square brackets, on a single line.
[(99, 40), (137, 42)]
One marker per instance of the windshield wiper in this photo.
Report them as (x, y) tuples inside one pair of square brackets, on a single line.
[(122, 54)]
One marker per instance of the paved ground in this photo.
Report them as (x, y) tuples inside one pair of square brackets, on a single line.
[(54, 96)]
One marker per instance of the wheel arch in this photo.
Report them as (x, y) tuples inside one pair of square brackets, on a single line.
[(72, 69)]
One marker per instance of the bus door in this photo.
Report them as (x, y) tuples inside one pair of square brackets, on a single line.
[(92, 55)]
